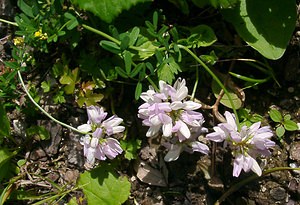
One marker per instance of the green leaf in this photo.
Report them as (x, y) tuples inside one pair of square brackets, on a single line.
[(131, 147), (275, 115), (237, 102), (27, 9), (59, 98), (137, 69), (201, 36), (167, 70), (107, 10), (128, 61), (215, 3), (209, 59), (134, 34), (89, 98), (5, 155), (125, 42), (182, 5), (45, 86), (70, 79), (290, 125), (280, 131), (121, 72), (72, 23), (266, 25), (39, 132), (72, 201), (138, 90), (287, 117), (146, 50), (103, 186), (110, 46), (5, 125)]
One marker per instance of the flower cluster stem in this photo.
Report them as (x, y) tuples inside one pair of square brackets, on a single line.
[(42, 110), (253, 177), (211, 73)]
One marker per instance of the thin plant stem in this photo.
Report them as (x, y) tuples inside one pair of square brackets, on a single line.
[(253, 177), (116, 41), (214, 77), (196, 84), (152, 83), (42, 110), (101, 34), (9, 22)]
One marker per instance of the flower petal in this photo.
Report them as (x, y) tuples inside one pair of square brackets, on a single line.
[(173, 153), (85, 128)]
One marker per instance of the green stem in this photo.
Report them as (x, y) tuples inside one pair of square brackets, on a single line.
[(42, 110), (9, 22), (152, 83), (116, 41), (238, 185), (101, 34), (196, 84), (214, 77)]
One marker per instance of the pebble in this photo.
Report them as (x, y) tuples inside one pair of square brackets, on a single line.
[(71, 175), (278, 193), (38, 154), (291, 89), (295, 151)]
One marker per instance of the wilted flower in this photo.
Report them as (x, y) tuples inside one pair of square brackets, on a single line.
[(246, 144), (169, 111), (98, 144)]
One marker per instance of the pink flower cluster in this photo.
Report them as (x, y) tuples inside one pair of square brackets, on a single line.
[(168, 111), (246, 144), (99, 144)]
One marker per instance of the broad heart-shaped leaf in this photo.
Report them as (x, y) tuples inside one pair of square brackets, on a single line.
[(266, 25), (102, 186), (237, 102), (107, 10)]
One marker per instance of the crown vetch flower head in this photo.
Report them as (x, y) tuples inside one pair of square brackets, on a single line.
[(169, 111), (98, 144), (246, 144)]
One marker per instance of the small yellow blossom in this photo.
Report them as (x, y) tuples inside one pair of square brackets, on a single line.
[(18, 41), (39, 34)]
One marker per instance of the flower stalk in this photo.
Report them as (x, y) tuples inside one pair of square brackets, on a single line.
[(44, 111)]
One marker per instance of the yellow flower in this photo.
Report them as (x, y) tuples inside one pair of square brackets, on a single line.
[(39, 34), (18, 41)]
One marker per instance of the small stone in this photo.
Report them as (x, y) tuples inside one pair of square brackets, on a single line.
[(278, 193), (71, 175), (295, 151), (291, 89), (38, 154), (295, 165), (53, 176)]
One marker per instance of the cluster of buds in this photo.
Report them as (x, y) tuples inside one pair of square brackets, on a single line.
[(246, 143), (98, 143), (168, 111)]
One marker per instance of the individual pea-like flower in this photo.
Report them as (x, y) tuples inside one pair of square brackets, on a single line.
[(170, 112), (99, 144), (246, 144), (191, 145)]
